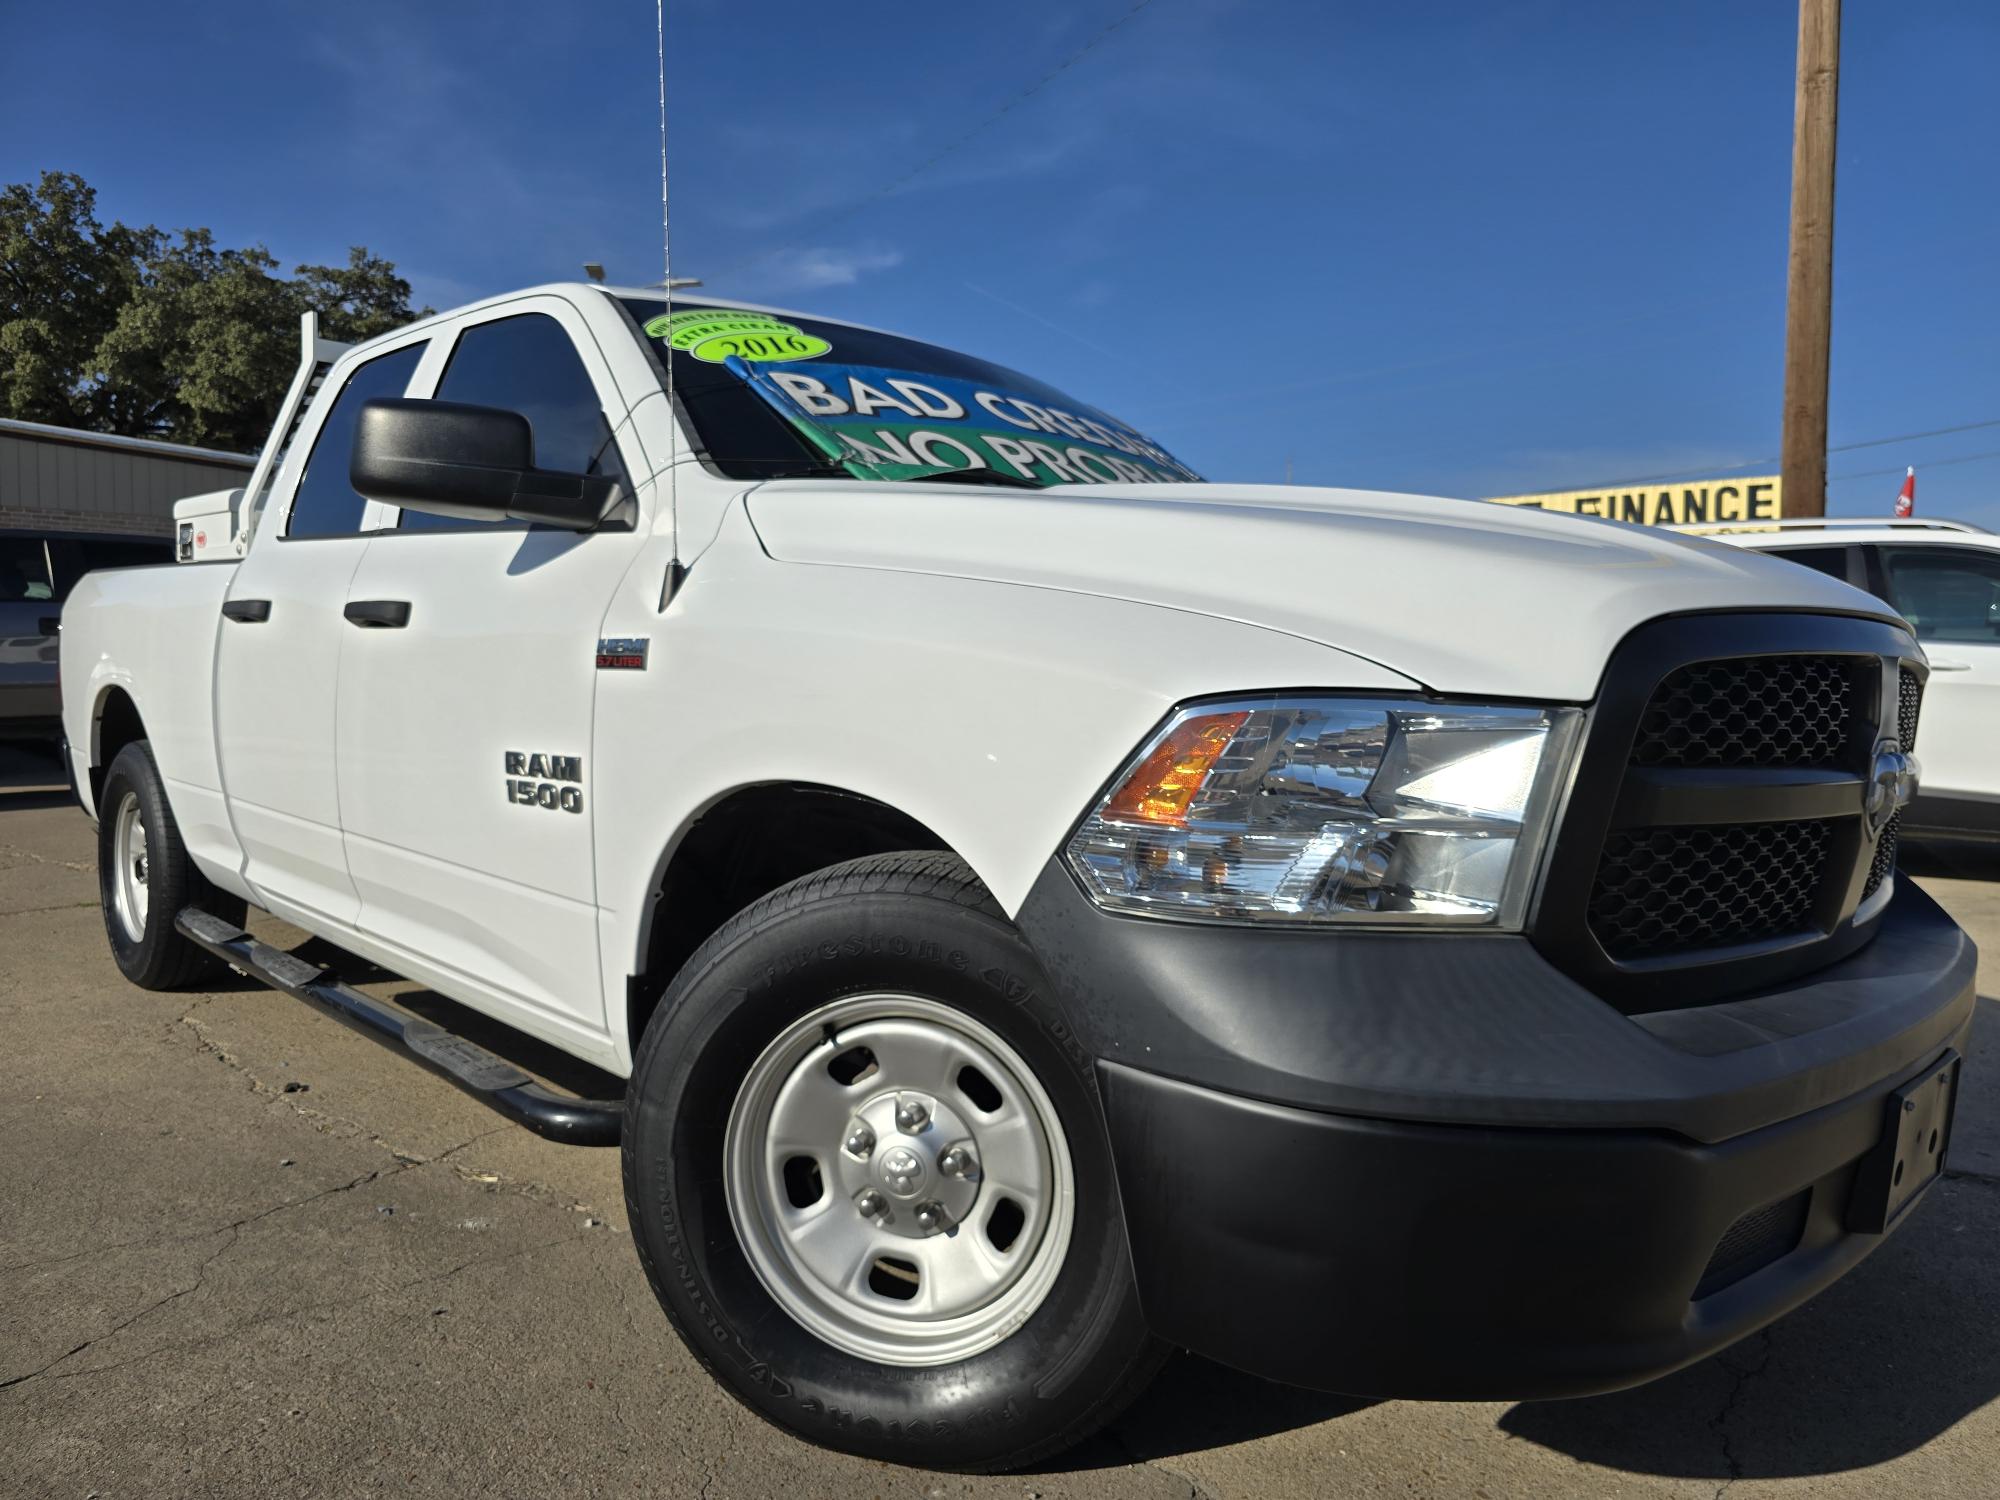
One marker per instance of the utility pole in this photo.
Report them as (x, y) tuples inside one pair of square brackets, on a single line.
[(1809, 273)]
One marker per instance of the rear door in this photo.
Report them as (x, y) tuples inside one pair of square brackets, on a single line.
[(1950, 594), (464, 734), (278, 652)]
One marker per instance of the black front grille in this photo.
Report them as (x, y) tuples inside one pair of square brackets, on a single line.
[(1669, 890), (1715, 837), (1760, 1237), (1751, 711)]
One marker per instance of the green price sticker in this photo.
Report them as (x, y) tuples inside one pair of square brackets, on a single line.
[(712, 334)]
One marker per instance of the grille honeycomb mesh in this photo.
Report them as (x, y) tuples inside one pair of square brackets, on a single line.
[(1667, 890), (1756, 1240), (1753, 711), (1885, 857), (1909, 703)]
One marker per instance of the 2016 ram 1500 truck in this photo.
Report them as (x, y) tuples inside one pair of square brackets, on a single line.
[(1048, 908)]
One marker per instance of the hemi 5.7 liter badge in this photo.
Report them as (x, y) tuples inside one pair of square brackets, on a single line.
[(622, 653)]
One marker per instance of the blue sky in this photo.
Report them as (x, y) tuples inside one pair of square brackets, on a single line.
[(1469, 248)]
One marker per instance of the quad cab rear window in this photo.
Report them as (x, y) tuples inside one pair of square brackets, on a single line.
[(773, 396)]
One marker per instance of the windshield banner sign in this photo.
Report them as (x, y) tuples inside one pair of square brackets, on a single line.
[(898, 423)]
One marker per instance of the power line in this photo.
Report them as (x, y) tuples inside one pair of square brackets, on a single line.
[(1910, 437), (849, 210), (1936, 463), (1710, 470)]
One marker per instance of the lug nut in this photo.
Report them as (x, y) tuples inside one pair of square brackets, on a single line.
[(860, 1140), (932, 1217), (957, 1162), (911, 1114), (871, 1203)]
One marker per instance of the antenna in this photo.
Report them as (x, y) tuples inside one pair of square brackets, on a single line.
[(674, 570)]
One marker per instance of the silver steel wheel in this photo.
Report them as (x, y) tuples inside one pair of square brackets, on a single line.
[(899, 1180), (128, 846)]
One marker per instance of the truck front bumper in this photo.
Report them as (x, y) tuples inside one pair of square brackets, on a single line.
[(1399, 1165)]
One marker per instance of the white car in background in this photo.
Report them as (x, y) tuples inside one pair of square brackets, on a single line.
[(1944, 578)]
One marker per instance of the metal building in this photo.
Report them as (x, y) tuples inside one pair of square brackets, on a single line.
[(60, 479)]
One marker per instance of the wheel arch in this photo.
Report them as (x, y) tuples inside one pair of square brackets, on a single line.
[(115, 722), (741, 846)]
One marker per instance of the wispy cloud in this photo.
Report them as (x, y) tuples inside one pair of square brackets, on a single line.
[(416, 124), (809, 268), (1062, 328)]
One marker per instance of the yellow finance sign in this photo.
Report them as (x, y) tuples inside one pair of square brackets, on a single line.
[(1679, 504)]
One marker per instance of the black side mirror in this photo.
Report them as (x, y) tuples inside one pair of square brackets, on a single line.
[(473, 462)]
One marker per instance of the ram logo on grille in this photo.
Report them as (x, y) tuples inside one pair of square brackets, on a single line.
[(1889, 788)]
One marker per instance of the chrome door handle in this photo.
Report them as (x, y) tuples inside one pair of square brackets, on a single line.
[(1951, 666)]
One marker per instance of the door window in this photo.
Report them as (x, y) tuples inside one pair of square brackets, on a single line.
[(326, 504), (24, 571), (527, 364), (1946, 593), (1832, 561)]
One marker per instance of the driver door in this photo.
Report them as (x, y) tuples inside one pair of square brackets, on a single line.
[(464, 731)]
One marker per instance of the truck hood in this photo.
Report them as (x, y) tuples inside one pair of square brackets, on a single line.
[(1462, 596)]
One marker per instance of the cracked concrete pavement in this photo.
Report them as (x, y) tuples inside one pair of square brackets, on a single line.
[(243, 1250)]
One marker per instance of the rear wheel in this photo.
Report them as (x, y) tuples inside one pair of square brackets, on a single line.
[(144, 878), (868, 1177)]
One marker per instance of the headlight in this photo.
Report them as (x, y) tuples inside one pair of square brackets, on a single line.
[(1316, 810)]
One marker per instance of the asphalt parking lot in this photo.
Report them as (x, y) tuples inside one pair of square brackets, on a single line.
[(243, 1250)]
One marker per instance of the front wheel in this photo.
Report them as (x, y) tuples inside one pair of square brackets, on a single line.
[(868, 1177)]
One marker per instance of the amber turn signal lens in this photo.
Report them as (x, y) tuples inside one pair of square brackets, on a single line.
[(1164, 783)]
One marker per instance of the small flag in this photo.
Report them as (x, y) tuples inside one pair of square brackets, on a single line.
[(1906, 502)]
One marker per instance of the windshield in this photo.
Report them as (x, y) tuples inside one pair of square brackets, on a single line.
[(771, 397)]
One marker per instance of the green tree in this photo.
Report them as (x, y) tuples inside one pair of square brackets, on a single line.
[(138, 332), (203, 348), (358, 300), (63, 279)]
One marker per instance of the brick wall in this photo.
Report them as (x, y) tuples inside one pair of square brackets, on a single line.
[(23, 518)]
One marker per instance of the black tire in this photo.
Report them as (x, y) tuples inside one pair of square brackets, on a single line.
[(920, 924), (159, 958)]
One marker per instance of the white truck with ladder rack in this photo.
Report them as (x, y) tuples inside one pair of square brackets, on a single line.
[(1046, 908)]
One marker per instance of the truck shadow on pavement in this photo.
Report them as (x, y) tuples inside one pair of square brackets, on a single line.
[(31, 777), (16, 800), (1196, 1404), (1951, 858)]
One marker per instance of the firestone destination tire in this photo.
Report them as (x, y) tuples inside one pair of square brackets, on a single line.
[(867, 1176)]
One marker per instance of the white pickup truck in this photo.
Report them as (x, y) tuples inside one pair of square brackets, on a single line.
[(1048, 908)]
